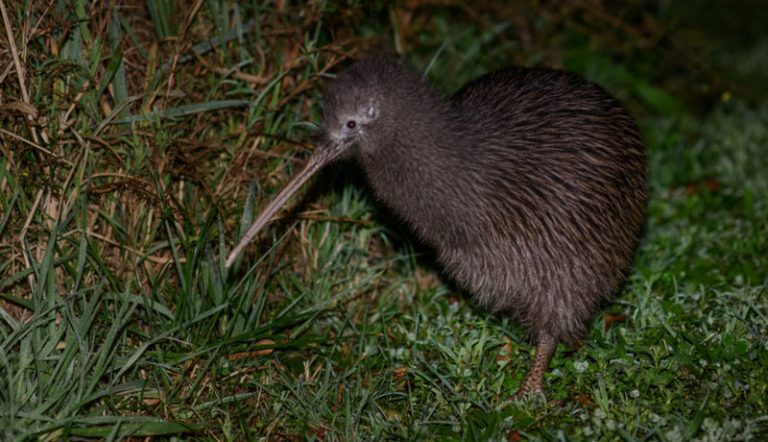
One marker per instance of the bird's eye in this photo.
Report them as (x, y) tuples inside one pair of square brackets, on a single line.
[(351, 124)]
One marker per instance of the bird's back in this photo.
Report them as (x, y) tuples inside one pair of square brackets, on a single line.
[(559, 170)]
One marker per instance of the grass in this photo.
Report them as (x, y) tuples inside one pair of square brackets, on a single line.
[(142, 138)]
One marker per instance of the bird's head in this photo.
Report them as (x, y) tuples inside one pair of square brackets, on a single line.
[(360, 114), (349, 121), (361, 105)]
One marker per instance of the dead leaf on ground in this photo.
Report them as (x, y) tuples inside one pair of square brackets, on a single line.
[(612, 319), (250, 354), (585, 400)]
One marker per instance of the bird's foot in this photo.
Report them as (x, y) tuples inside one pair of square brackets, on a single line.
[(525, 392), (524, 395), (533, 385)]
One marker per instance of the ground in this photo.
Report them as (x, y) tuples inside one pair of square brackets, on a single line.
[(138, 141)]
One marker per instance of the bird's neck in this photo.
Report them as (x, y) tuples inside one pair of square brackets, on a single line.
[(417, 176)]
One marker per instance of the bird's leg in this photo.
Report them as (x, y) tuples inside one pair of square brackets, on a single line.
[(534, 380)]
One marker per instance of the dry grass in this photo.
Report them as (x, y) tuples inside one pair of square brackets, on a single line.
[(137, 138)]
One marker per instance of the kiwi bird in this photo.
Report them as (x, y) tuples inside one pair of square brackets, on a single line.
[(529, 183)]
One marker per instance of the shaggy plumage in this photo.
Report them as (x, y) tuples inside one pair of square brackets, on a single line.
[(529, 183)]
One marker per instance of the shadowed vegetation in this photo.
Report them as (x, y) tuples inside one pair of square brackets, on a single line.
[(138, 139)]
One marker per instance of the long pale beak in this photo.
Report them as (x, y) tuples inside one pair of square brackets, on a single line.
[(322, 156)]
